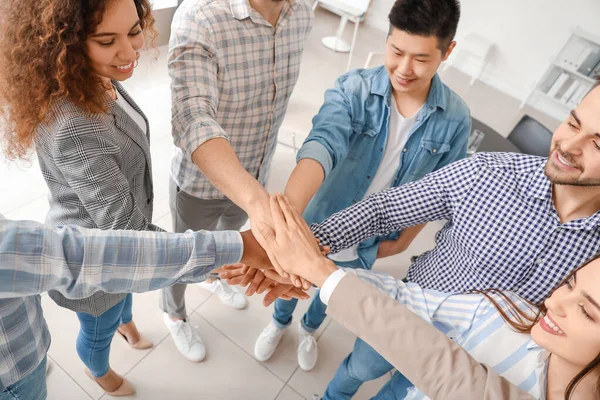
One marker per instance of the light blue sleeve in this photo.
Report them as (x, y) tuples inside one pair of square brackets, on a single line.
[(446, 311), (329, 139), (78, 262)]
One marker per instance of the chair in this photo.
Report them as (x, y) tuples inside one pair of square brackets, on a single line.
[(531, 137), (350, 10)]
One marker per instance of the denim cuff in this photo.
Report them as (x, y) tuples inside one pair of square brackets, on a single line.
[(281, 326), (307, 328), (316, 151)]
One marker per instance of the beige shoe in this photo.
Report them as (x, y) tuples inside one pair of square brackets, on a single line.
[(141, 344), (126, 388)]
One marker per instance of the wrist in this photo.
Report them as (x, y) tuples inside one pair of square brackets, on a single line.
[(247, 241), (257, 202), (322, 271)]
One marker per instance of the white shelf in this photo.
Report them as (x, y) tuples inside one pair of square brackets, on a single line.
[(553, 99), (563, 77), (586, 35), (574, 73)]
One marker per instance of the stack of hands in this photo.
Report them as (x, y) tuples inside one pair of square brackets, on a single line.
[(282, 260)]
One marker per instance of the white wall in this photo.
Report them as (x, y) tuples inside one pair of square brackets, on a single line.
[(527, 35)]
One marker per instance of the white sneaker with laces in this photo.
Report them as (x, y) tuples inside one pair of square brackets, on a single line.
[(267, 342), (226, 293), (307, 349), (186, 340)]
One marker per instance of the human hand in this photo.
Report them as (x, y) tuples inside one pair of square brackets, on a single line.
[(261, 214), (275, 286), (254, 254), (285, 292), (243, 275), (292, 244)]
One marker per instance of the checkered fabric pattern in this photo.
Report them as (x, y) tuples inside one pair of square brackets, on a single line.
[(79, 262), (502, 232), (232, 76), (99, 175)]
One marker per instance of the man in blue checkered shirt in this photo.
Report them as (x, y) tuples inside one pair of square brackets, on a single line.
[(514, 222)]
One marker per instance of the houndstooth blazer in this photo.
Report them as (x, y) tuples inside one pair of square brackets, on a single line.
[(98, 170)]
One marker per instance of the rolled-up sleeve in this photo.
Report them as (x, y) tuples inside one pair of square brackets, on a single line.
[(329, 139), (194, 69)]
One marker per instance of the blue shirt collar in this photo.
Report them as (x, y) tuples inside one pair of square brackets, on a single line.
[(383, 87)]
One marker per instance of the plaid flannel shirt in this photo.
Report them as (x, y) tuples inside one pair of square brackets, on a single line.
[(232, 75)]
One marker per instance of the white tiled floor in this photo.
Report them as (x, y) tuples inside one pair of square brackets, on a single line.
[(230, 372)]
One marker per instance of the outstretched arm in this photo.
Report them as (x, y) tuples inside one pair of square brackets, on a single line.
[(79, 262), (435, 364)]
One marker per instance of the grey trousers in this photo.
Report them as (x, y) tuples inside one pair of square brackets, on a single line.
[(189, 212)]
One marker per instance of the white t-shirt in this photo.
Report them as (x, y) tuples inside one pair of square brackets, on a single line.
[(397, 136), (136, 116)]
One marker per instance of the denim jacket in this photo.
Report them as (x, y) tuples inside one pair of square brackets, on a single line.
[(349, 135)]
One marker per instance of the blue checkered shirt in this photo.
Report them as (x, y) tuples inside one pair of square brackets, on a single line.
[(78, 262), (502, 232), (232, 75)]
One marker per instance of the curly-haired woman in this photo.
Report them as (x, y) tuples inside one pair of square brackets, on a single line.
[(60, 64)]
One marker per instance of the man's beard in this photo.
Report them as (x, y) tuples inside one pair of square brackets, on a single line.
[(555, 178)]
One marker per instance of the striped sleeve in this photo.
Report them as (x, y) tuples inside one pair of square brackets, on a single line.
[(78, 262), (450, 313)]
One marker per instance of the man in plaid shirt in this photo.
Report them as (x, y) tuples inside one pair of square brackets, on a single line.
[(515, 222), (233, 66)]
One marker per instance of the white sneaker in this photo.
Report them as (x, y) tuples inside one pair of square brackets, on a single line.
[(228, 294), (307, 349), (186, 340), (267, 342), (316, 397)]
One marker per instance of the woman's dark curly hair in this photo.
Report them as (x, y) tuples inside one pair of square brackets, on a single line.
[(43, 58)]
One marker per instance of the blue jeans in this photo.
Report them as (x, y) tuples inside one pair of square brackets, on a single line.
[(394, 389), (314, 317), (32, 387), (96, 334), (363, 364)]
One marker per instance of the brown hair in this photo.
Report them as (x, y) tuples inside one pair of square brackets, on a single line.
[(523, 321), (43, 58)]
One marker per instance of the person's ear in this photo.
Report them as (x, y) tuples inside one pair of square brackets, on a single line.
[(449, 50)]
